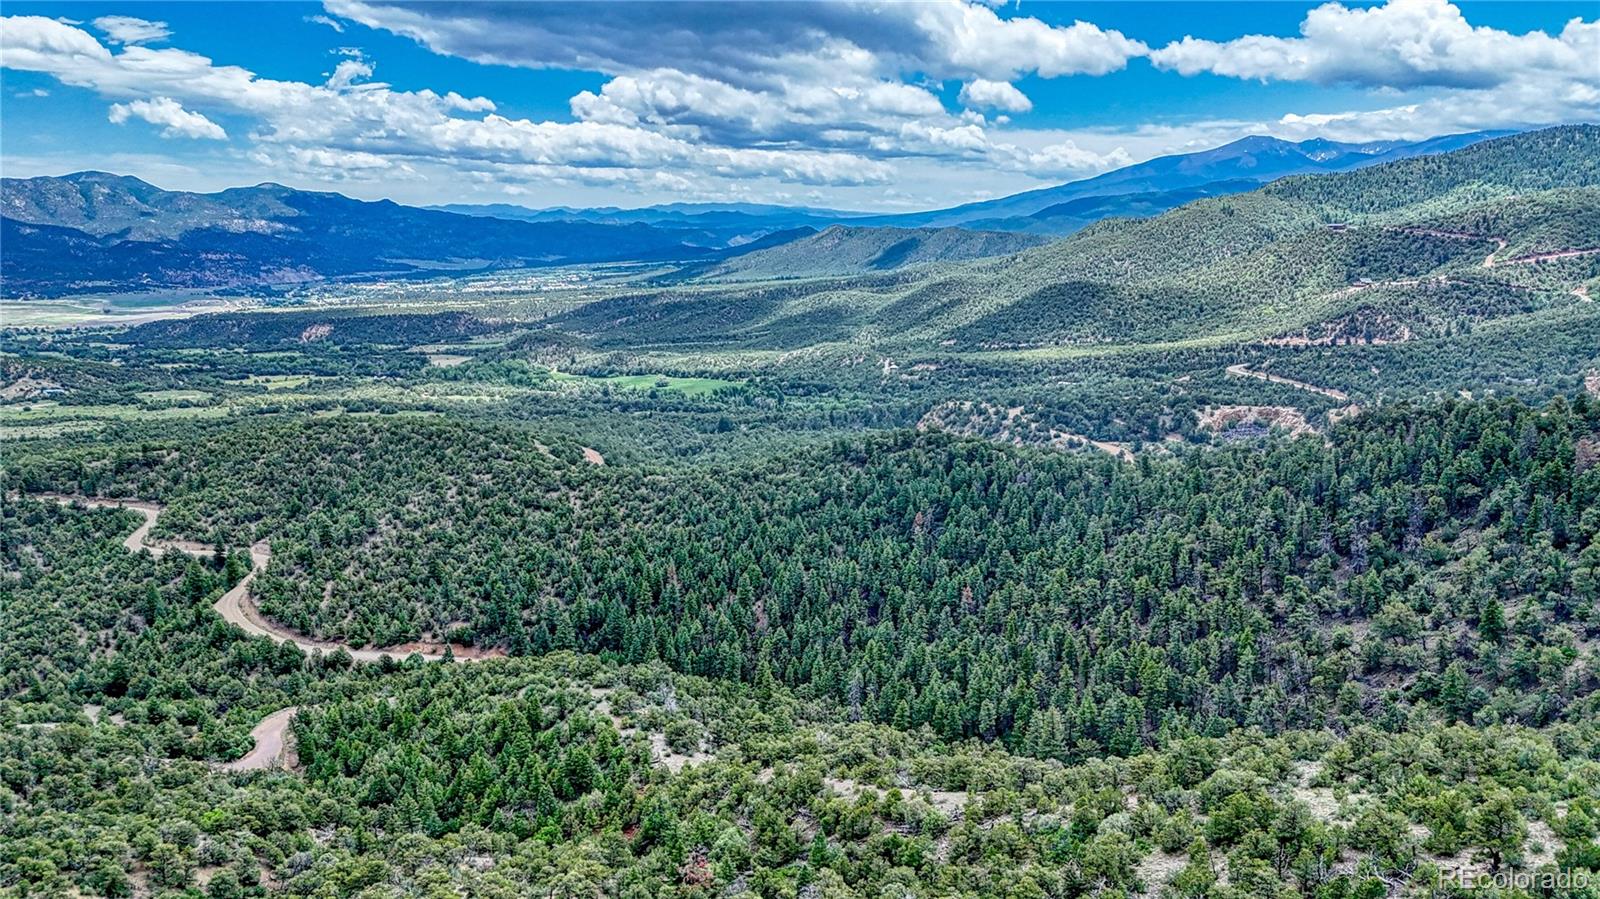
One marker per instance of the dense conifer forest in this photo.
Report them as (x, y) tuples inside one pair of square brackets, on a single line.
[(1251, 551)]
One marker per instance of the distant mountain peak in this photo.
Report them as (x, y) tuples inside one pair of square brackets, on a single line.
[(1249, 161)]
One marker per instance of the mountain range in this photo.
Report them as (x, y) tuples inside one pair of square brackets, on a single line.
[(96, 232), (1170, 181), (93, 232), (1139, 190), (1421, 247)]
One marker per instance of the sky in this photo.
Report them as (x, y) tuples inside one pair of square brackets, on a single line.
[(845, 105)]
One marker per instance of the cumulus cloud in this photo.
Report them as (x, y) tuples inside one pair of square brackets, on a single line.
[(175, 121), (1067, 159), (129, 30), (704, 98), (825, 77), (348, 116), (348, 72), (1403, 44), (840, 129), (759, 45), (984, 94), (1461, 77)]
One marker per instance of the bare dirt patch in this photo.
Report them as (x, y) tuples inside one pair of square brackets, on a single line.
[(592, 456), (661, 752), (951, 803), (1251, 421), (664, 755), (26, 388), (1158, 868), (1543, 844)]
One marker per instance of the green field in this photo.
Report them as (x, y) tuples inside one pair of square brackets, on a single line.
[(48, 430), (174, 396), (687, 386), (49, 411), (277, 382)]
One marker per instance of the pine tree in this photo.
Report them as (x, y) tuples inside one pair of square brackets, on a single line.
[(1492, 622)]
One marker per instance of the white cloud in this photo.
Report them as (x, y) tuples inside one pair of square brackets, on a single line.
[(335, 24), (843, 98), (348, 72), (759, 44), (1402, 44), (129, 30), (974, 41), (826, 77), (168, 113), (1068, 160), (984, 94), (348, 116), (1459, 77)]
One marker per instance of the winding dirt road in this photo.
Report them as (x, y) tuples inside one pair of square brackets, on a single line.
[(1501, 243), (271, 735), (237, 607), (1488, 261)]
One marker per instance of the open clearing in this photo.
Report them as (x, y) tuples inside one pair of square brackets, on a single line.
[(278, 382), (687, 386), (50, 411), (49, 430), (174, 396)]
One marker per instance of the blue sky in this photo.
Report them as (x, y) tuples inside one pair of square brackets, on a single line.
[(852, 105)]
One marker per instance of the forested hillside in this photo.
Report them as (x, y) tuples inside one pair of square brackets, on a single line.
[(841, 250), (920, 581), (1249, 551), (1512, 217), (1340, 667)]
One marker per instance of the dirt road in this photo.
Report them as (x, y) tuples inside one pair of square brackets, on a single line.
[(238, 608), (1544, 257), (136, 541), (1243, 371), (1488, 261), (271, 749), (1500, 244)]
